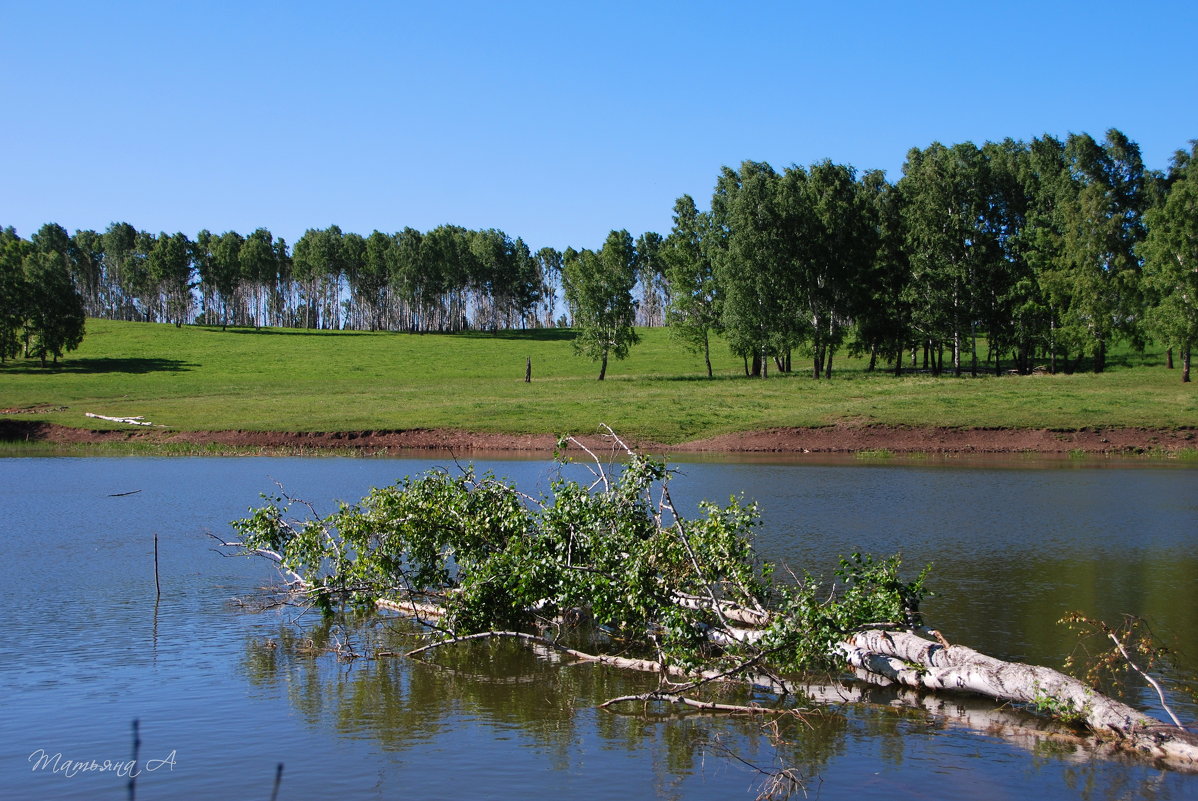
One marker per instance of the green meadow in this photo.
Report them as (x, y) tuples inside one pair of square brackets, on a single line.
[(199, 378)]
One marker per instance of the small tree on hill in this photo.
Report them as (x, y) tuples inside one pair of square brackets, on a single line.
[(599, 290)]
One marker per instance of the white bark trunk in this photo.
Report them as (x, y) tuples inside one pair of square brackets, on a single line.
[(133, 421), (913, 661), (888, 656)]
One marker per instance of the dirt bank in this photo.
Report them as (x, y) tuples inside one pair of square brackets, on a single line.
[(830, 439)]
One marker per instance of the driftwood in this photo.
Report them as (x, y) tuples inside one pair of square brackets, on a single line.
[(922, 661), (910, 660), (139, 420)]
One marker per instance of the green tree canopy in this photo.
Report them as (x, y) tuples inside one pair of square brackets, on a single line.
[(55, 319), (1097, 284), (599, 290), (1170, 253), (14, 292), (695, 302), (950, 241), (755, 238)]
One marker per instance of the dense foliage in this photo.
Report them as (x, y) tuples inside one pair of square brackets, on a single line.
[(1044, 253), (613, 551), (598, 287), (41, 314), (1171, 259)]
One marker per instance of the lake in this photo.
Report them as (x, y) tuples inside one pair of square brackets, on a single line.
[(224, 692)]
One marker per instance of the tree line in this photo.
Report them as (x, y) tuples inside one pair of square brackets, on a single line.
[(447, 279), (1018, 254), (1052, 250)]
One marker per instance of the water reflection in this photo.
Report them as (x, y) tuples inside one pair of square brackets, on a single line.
[(87, 649), (533, 701), (518, 694), (1012, 550)]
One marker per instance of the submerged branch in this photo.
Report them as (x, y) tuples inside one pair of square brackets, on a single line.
[(707, 706)]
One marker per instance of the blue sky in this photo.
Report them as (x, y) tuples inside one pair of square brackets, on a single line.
[(556, 122)]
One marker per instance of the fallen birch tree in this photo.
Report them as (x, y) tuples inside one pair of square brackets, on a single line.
[(138, 420), (471, 556)]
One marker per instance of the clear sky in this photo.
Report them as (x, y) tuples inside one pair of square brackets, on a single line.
[(556, 122)]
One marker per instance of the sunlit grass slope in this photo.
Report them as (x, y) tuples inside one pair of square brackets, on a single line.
[(205, 379)]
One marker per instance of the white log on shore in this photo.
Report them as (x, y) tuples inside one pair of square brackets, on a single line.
[(139, 420)]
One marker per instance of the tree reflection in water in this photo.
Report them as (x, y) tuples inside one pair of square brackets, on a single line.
[(542, 702)]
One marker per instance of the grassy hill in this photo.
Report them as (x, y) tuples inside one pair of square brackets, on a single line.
[(198, 378)]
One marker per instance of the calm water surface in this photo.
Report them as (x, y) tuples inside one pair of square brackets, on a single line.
[(225, 694)]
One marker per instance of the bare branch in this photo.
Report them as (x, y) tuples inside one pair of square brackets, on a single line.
[(598, 471), (296, 579), (1159, 692), (709, 706)]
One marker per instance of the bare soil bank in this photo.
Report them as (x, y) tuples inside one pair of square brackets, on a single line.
[(829, 439)]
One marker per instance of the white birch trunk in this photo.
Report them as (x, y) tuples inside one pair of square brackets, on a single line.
[(913, 661)]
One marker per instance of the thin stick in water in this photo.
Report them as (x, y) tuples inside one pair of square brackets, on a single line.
[(274, 795), (157, 586), (133, 772)]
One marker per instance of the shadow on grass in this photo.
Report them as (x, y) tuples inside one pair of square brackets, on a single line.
[(848, 373), (131, 366), (526, 335), (523, 335), (291, 332), (701, 378)]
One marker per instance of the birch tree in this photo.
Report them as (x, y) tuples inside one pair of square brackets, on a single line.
[(1170, 255), (752, 267), (694, 309), (54, 318), (599, 288), (1101, 220), (946, 205), (13, 292)]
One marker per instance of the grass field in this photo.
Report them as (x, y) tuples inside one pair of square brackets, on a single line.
[(198, 378)]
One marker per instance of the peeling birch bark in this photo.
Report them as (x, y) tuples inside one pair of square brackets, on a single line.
[(912, 661), (749, 617)]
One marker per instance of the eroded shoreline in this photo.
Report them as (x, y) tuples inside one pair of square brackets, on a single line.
[(836, 439)]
